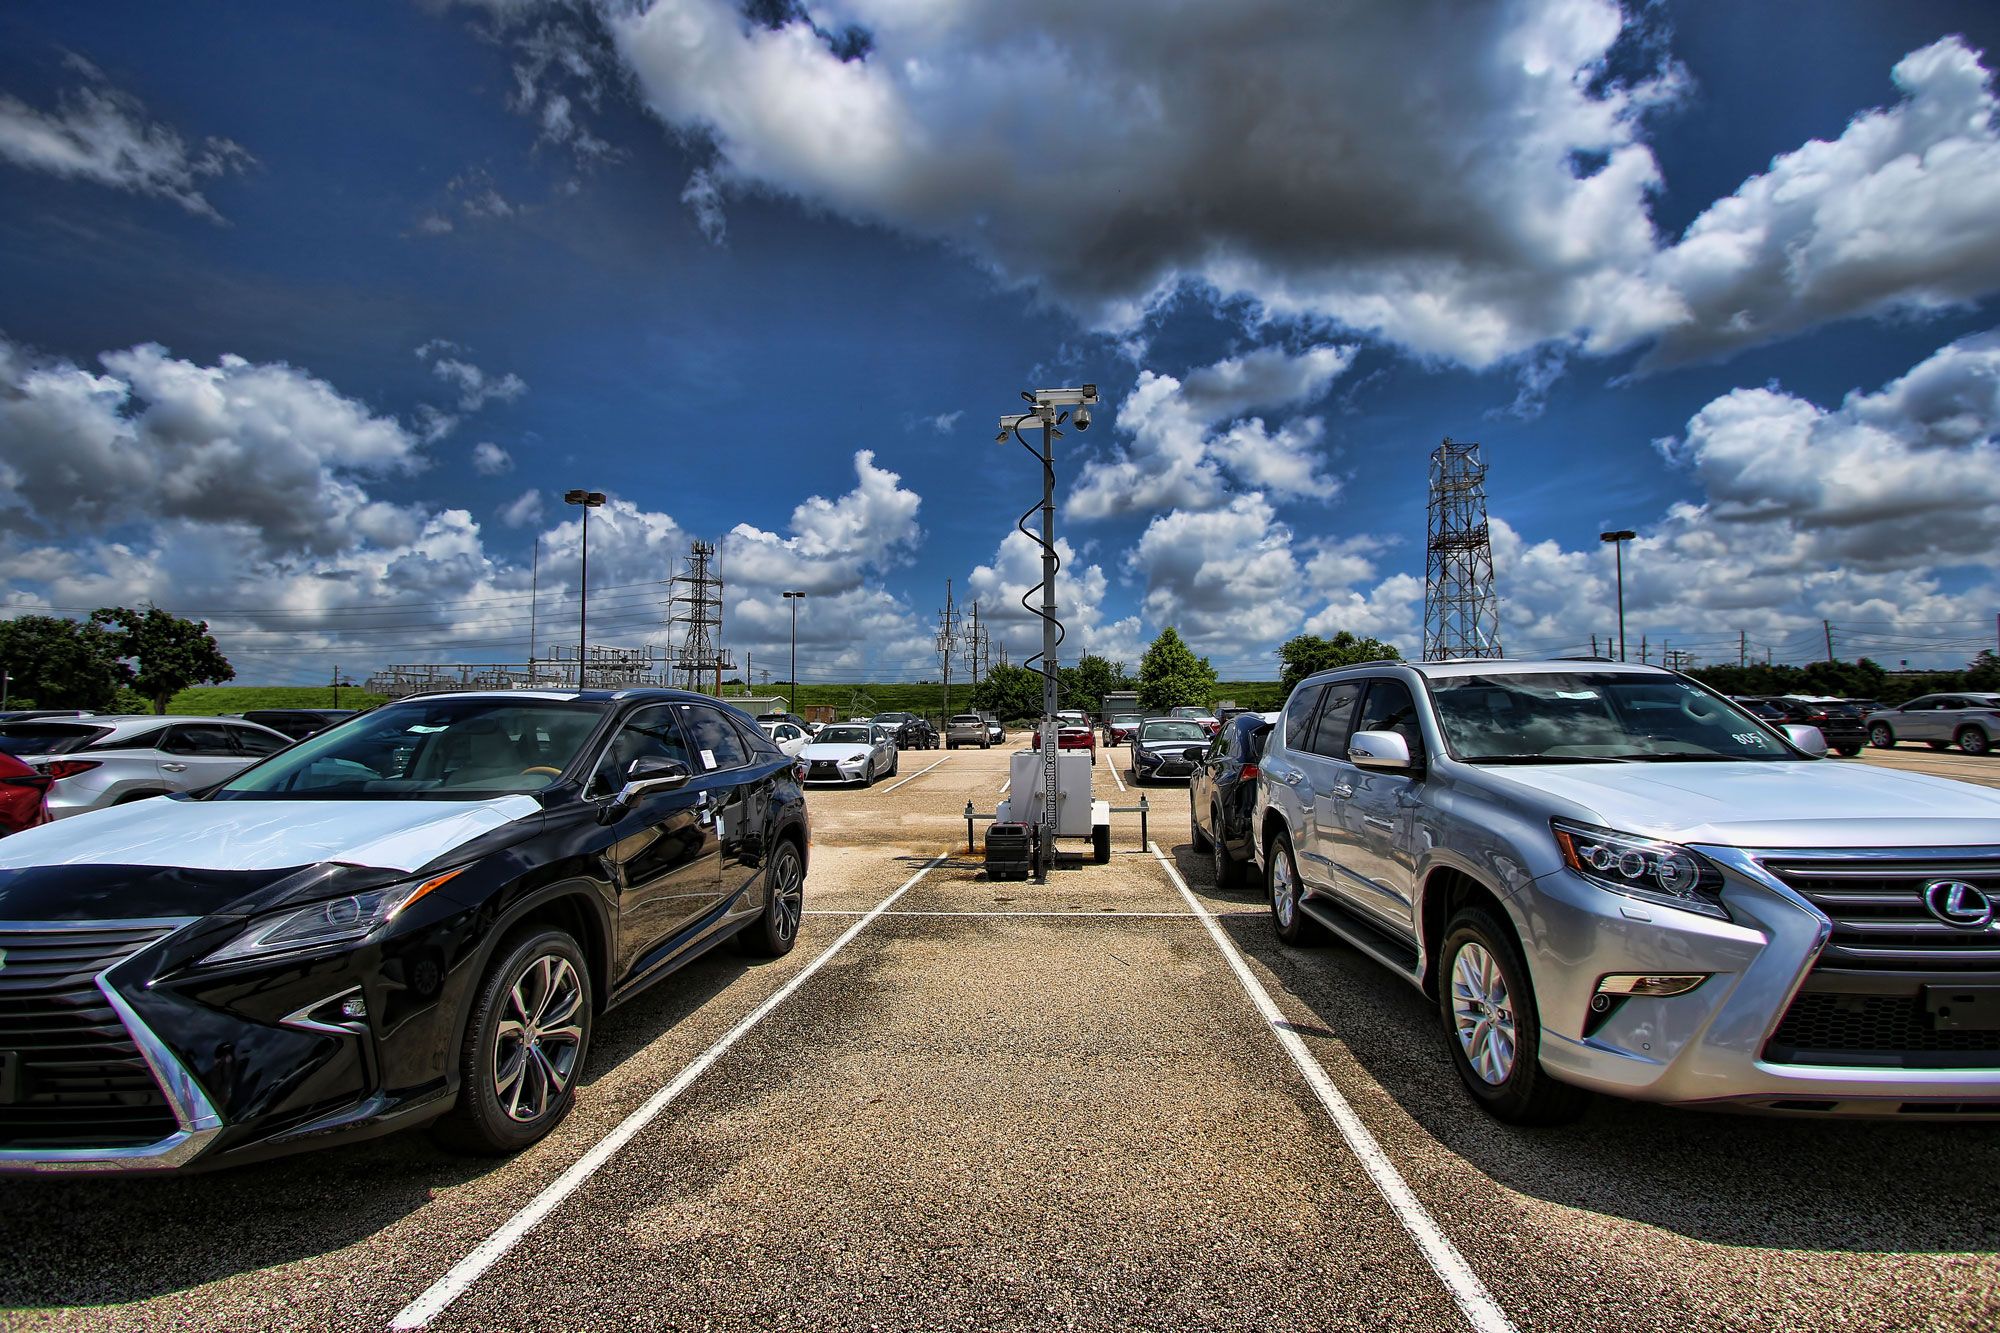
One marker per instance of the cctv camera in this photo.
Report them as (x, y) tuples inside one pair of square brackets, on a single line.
[(1082, 418)]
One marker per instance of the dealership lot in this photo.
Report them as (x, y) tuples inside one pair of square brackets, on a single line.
[(1010, 1105)]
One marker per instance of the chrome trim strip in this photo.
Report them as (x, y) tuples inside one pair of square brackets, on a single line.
[(302, 1017), (199, 1122)]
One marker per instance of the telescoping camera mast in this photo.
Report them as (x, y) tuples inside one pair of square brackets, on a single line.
[(1047, 409)]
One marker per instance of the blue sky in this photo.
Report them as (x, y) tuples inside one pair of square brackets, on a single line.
[(308, 316)]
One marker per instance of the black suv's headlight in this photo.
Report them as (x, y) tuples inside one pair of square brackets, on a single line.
[(329, 922), (1661, 872)]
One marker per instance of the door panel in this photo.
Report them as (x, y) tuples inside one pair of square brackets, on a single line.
[(197, 754), (1331, 838), (730, 787), (1384, 807), (665, 857)]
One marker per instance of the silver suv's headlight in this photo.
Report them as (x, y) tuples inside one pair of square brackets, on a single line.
[(1661, 872), (333, 921)]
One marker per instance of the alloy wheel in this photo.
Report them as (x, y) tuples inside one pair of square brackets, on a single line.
[(1284, 901), (538, 1040), (1483, 1013), (788, 896)]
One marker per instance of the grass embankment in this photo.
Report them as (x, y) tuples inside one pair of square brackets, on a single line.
[(209, 700)]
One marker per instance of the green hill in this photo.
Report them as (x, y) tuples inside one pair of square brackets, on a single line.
[(207, 700)]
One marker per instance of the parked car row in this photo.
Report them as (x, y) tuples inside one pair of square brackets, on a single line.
[(414, 917), (1609, 878), (1969, 721)]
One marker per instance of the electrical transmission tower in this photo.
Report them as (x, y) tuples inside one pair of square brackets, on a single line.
[(947, 642), (697, 605), (1461, 611)]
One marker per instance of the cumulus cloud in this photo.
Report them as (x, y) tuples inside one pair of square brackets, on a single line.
[(476, 387), (102, 135), (997, 587), (1226, 578), (524, 510), (1175, 457), (490, 460)]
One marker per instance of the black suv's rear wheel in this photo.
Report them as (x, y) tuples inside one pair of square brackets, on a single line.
[(523, 1047), (1493, 1027), (773, 934), (1228, 870)]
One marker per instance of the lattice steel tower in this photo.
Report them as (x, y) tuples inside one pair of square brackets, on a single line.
[(697, 605), (1461, 611)]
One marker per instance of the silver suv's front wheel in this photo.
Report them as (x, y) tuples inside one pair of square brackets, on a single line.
[(1493, 1028)]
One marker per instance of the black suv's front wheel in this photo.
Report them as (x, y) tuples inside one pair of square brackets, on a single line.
[(523, 1047), (1493, 1028)]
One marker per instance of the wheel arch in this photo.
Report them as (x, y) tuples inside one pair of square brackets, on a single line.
[(1446, 891)]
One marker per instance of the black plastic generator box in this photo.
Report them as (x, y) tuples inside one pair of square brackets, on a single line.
[(1007, 852)]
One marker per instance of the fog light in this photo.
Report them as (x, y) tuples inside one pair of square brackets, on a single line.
[(354, 1008), (1636, 984)]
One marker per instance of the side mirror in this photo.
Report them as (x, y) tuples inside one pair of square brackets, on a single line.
[(1195, 754), (651, 774), (1378, 749), (1808, 739)]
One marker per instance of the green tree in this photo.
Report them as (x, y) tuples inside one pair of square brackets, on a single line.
[(1305, 654), (1983, 671), (1085, 684), (171, 653), (1010, 693), (53, 662), (1171, 675)]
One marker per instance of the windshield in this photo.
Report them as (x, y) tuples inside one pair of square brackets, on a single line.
[(1186, 711), (1594, 717), (47, 737), (1172, 731), (845, 736), (436, 750)]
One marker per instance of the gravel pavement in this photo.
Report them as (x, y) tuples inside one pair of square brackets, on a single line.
[(1011, 1106)]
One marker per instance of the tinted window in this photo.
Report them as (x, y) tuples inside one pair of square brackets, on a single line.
[(754, 741), (715, 743), (650, 733), (1299, 715), (1336, 710), (257, 742), (196, 738), (47, 737), (1390, 708)]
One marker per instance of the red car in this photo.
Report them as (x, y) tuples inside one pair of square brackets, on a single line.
[(23, 796), (1071, 736), (1187, 712)]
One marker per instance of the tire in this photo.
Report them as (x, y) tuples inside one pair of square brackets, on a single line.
[(951, 745), (895, 765), (1228, 870), (1195, 835), (868, 775), (1848, 751), (1939, 745), (1281, 885), (776, 929), (1972, 740), (1881, 737), (1100, 844), (1483, 987), (538, 982)]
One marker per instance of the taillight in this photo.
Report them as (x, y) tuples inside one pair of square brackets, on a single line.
[(39, 781), (57, 769), (1249, 771)]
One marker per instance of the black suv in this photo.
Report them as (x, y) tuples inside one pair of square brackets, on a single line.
[(414, 916), (912, 732)]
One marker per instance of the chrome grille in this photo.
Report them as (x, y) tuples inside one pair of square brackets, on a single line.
[(1880, 922), (74, 1077)]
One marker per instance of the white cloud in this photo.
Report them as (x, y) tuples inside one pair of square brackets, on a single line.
[(1176, 458), (1228, 579), (524, 510), (101, 135), (998, 586), (490, 460), (704, 200), (476, 387)]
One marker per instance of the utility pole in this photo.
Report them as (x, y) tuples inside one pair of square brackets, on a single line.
[(1593, 645), (1827, 625), (339, 684), (1617, 540), (1742, 649), (1642, 648), (534, 600), (946, 645)]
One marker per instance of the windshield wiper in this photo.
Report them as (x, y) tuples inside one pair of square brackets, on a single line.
[(1693, 758), (1547, 759)]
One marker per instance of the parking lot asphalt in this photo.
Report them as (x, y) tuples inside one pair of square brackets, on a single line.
[(1003, 1105)]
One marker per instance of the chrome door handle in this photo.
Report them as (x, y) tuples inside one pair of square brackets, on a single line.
[(173, 768), (1292, 779), (1343, 791), (1376, 821)]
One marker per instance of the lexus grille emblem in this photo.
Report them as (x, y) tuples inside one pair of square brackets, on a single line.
[(1957, 903)]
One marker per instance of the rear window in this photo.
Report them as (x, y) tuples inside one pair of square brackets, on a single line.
[(969, 719), (47, 737)]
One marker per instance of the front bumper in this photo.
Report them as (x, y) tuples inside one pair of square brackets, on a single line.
[(1733, 1040)]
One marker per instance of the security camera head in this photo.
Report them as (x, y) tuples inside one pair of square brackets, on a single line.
[(1082, 418)]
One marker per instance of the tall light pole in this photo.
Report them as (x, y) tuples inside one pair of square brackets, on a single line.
[(1618, 540), (795, 598), (589, 500)]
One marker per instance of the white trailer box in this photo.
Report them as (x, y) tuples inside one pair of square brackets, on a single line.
[(1075, 814)]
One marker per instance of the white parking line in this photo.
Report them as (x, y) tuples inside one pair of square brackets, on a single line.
[(1474, 1301), (1094, 915), (912, 778), (1112, 759), (440, 1294)]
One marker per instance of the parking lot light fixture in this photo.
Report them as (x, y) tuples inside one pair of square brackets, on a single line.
[(588, 500), (1618, 540), (795, 598)]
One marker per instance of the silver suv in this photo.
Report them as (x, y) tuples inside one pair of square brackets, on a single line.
[(105, 761), (1969, 721), (1611, 878)]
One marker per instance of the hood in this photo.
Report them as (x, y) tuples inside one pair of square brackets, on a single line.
[(1175, 747), (263, 835), (1781, 804), (835, 750)]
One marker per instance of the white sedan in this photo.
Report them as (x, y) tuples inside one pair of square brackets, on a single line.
[(787, 736), (850, 752)]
